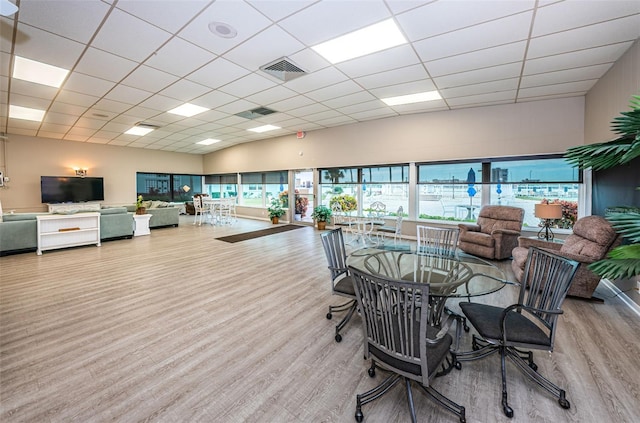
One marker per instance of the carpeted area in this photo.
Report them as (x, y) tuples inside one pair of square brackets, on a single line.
[(257, 234)]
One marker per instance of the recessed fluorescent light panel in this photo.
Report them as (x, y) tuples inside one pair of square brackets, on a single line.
[(208, 141), (364, 41), (188, 110), (412, 98), (264, 128), (25, 113), (40, 73), (138, 130)]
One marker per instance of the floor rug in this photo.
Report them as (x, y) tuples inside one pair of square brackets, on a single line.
[(257, 234)]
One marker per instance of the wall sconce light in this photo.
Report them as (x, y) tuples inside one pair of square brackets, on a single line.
[(186, 188), (548, 212), (80, 172)]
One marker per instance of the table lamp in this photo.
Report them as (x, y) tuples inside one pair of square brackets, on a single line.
[(548, 212)]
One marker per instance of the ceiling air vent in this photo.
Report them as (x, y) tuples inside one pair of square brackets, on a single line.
[(147, 125), (283, 69), (255, 113)]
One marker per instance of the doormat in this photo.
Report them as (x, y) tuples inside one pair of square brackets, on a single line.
[(257, 234)]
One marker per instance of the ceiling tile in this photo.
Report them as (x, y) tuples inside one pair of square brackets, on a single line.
[(620, 30), (246, 20), (588, 57), (184, 90), (170, 16), (101, 64), (478, 59), (218, 73), (481, 88), (251, 54), (394, 76), (355, 98), (392, 58), (129, 37), (494, 73), (490, 34), (314, 81), (563, 76), (247, 85), (127, 95), (179, 57), (446, 16), (572, 87), (35, 44), (338, 90), (565, 15), (279, 9), (149, 79), (404, 89), (326, 20), (77, 22), (271, 95), (86, 84)]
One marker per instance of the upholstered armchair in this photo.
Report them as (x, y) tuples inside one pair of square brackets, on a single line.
[(592, 239), (495, 234)]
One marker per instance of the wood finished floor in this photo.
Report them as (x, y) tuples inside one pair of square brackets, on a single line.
[(180, 327)]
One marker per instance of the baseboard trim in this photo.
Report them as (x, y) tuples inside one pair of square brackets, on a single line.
[(635, 307)]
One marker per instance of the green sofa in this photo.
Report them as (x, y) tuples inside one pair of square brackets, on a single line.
[(18, 232), (160, 216)]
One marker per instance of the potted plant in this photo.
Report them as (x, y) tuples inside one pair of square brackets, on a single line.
[(275, 211), (347, 202), (140, 209), (623, 261), (301, 206), (321, 214)]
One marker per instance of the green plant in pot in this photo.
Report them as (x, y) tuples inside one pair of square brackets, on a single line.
[(623, 261), (321, 214), (275, 210)]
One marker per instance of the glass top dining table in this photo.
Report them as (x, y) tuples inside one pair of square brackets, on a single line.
[(457, 275)]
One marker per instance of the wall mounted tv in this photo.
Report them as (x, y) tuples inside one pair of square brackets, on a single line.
[(63, 189)]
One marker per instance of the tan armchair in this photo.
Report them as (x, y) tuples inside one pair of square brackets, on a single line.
[(592, 239), (495, 234)]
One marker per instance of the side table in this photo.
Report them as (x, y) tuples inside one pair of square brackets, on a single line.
[(141, 224)]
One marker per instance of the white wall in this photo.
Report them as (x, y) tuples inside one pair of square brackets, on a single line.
[(28, 158), (549, 126), (611, 95)]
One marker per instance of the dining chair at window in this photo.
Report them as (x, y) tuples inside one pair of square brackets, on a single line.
[(341, 280), (199, 208), (441, 241), (531, 323), (396, 229), (377, 210), (399, 339)]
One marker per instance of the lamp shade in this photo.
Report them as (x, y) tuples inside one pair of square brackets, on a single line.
[(548, 211)]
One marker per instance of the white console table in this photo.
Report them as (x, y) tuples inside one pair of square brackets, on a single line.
[(62, 231)]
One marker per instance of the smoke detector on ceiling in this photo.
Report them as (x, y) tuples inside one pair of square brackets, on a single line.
[(283, 69), (222, 29)]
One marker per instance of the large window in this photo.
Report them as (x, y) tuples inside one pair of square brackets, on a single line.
[(259, 188), (456, 191), (451, 191), (386, 184), (221, 186), (167, 187)]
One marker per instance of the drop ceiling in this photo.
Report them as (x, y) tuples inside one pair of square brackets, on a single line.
[(131, 61)]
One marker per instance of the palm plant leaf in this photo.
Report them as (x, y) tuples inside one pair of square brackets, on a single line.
[(623, 261), (622, 150), (626, 224)]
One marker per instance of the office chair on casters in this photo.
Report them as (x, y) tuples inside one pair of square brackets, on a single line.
[(341, 280), (399, 339), (530, 323)]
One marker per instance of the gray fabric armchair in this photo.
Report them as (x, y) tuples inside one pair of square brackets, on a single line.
[(592, 239), (495, 234)]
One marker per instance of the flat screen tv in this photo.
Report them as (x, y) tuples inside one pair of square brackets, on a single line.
[(64, 189)]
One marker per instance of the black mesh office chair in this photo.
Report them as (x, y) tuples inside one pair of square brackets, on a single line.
[(530, 323), (341, 280), (398, 338)]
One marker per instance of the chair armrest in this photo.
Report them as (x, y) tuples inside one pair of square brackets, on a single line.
[(537, 242), (575, 257), (468, 227), (505, 232), (532, 311)]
